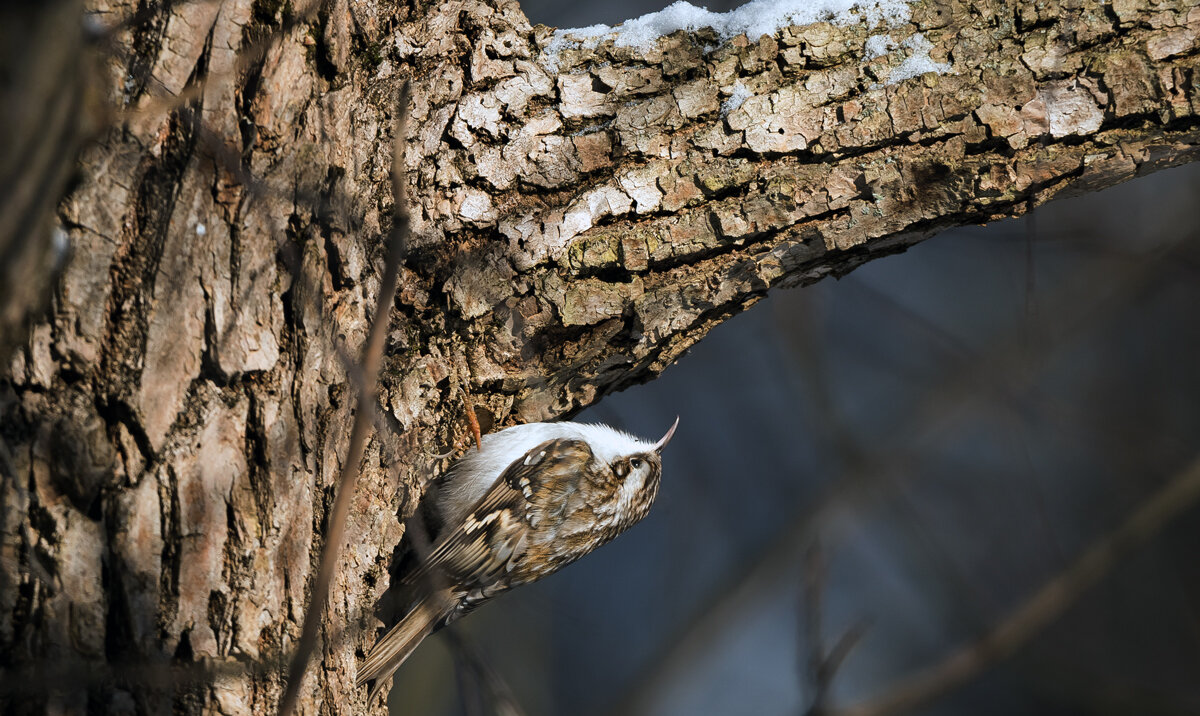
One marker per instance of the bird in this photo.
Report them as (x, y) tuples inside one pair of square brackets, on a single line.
[(532, 499)]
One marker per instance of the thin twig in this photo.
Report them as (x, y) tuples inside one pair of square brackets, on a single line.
[(1047, 604), (363, 417), (494, 688), (822, 665), (472, 419), (748, 582), (813, 588), (841, 650)]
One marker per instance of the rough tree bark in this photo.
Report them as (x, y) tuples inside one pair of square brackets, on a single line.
[(172, 429)]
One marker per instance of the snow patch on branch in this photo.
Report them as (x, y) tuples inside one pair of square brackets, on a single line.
[(754, 19), (917, 63), (740, 94), (878, 46)]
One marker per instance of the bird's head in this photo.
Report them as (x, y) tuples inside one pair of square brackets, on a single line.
[(633, 468)]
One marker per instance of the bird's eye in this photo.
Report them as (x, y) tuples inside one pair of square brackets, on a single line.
[(636, 463)]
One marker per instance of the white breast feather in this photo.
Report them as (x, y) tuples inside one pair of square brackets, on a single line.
[(470, 478)]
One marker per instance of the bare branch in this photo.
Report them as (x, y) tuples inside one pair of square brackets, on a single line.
[(1168, 503), (865, 478)]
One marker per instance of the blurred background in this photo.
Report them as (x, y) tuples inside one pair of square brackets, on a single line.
[(875, 472)]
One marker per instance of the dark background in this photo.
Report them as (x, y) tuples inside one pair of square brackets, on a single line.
[(912, 451)]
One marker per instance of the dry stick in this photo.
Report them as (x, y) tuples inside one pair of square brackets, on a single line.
[(363, 416), (1155, 513), (472, 419)]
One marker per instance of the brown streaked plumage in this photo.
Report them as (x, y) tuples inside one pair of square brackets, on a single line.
[(549, 507)]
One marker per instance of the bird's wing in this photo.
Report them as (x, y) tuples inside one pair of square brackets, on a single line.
[(549, 477), (536, 486), (471, 562)]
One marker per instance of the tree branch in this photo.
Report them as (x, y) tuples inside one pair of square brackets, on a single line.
[(579, 219)]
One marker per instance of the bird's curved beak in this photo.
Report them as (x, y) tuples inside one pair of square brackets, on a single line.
[(662, 443)]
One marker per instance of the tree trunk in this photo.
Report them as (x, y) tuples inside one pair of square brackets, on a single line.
[(583, 213)]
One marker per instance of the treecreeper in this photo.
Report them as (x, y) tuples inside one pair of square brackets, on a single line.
[(532, 499)]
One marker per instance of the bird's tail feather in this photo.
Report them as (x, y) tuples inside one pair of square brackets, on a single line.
[(390, 652)]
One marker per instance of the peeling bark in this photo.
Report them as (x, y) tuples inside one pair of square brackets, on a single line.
[(173, 429)]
